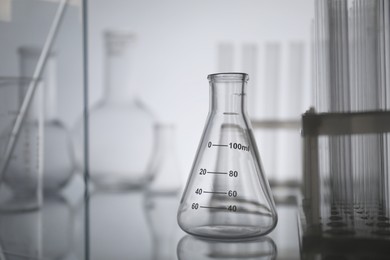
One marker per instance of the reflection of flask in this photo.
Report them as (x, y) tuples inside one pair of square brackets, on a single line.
[(120, 128), (58, 155), (160, 211), (57, 221), (20, 235), (118, 231), (199, 249), (227, 194), (161, 198)]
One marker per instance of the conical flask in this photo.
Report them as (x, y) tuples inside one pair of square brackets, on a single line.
[(227, 195)]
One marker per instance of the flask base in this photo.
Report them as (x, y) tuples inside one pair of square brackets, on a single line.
[(229, 231)]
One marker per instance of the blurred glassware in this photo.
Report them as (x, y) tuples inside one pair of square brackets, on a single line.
[(164, 166), (120, 126), (59, 157), (162, 195), (22, 170), (191, 247), (58, 162), (118, 226), (160, 211), (20, 235), (57, 227)]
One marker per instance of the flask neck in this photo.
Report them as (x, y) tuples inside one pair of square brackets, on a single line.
[(118, 67), (228, 96)]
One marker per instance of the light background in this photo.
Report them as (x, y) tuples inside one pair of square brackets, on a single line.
[(177, 47)]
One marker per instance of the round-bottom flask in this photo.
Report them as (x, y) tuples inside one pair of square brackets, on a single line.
[(120, 125), (119, 150), (227, 195), (59, 159)]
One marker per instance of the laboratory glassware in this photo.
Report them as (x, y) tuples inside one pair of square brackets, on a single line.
[(119, 231), (162, 194), (227, 194), (58, 162), (57, 227), (164, 166), (22, 169), (120, 125), (21, 235), (160, 212), (193, 248)]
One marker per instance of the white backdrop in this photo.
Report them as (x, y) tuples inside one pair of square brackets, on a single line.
[(177, 47)]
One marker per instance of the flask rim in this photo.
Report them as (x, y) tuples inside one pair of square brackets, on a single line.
[(228, 76)]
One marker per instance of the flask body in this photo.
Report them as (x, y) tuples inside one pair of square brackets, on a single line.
[(118, 154), (120, 125), (227, 194)]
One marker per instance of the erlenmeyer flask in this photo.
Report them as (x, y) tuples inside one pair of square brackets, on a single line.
[(227, 194)]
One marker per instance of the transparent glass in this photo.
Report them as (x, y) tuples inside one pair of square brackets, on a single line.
[(58, 157), (227, 194), (160, 212), (164, 165), (46, 233), (21, 235), (120, 126), (56, 227), (162, 194), (22, 168), (192, 248)]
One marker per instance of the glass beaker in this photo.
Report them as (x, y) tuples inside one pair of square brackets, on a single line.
[(227, 194), (58, 157), (21, 164), (21, 235), (120, 126)]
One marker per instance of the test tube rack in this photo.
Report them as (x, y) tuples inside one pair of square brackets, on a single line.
[(345, 209)]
